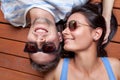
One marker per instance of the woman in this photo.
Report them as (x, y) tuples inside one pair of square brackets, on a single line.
[(84, 33)]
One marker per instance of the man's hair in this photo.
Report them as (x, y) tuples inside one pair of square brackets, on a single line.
[(45, 67), (49, 66)]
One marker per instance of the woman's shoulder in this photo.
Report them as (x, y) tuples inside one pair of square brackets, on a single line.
[(115, 64), (59, 67), (55, 73), (58, 70), (114, 61)]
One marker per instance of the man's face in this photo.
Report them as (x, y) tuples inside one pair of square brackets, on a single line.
[(41, 31)]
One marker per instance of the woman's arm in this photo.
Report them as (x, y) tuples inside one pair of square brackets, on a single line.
[(107, 11), (107, 8)]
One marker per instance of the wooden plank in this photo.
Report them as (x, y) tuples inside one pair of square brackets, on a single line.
[(11, 32), (2, 17), (12, 47), (113, 50), (117, 3), (7, 74), (18, 64), (117, 14), (117, 35)]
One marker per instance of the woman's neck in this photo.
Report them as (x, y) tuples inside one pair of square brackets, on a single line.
[(86, 60)]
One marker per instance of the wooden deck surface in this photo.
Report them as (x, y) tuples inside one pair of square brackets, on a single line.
[(14, 63)]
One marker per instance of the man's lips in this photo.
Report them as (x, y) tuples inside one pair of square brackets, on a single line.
[(40, 30)]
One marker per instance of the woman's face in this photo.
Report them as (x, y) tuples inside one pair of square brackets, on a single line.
[(80, 38)]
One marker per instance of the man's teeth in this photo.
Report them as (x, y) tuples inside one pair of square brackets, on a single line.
[(40, 30)]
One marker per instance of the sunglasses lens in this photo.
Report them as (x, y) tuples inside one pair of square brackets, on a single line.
[(49, 47), (72, 25), (30, 47)]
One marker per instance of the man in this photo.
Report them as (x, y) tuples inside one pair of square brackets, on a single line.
[(44, 44)]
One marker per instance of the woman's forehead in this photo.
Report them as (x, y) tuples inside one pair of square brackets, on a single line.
[(78, 17)]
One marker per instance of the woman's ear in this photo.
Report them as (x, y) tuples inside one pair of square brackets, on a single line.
[(60, 36), (97, 33)]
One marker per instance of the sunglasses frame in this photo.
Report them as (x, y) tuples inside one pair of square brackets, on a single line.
[(34, 48), (73, 24)]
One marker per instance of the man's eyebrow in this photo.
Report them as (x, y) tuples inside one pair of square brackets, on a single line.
[(40, 19)]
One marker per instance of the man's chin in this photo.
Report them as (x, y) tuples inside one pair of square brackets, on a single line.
[(43, 58)]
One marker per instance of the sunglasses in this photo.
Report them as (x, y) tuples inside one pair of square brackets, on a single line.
[(73, 25), (48, 47)]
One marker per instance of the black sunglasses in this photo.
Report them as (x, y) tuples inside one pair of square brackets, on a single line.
[(48, 47), (73, 25)]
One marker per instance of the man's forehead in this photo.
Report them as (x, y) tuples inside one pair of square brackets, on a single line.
[(42, 20)]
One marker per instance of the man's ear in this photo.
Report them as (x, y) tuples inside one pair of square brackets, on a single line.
[(60, 36), (97, 33)]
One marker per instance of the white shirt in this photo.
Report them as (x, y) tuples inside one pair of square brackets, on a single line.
[(15, 10)]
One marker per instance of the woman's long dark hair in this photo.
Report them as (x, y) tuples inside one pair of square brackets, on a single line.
[(93, 13)]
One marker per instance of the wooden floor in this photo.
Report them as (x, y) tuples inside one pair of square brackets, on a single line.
[(14, 63)]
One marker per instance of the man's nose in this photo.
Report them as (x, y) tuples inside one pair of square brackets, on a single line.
[(40, 41)]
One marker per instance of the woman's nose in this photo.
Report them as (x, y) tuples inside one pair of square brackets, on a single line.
[(65, 31)]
